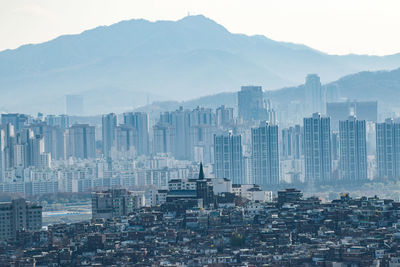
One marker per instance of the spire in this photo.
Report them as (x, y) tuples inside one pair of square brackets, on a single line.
[(201, 172)]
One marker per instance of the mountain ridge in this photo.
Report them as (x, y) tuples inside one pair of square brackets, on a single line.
[(167, 60)]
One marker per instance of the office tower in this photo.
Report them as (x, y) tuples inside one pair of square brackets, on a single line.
[(292, 142), (74, 105), (313, 94), (265, 154), (115, 203), (340, 111), (317, 149), (228, 157), (224, 116), (353, 150), (19, 215), (139, 122), (388, 149), (81, 140), (250, 103), (109, 125), (17, 120)]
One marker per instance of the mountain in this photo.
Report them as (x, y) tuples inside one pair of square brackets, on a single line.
[(129, 63)]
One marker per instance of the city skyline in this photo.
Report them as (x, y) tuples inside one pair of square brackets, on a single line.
[(200, 133)]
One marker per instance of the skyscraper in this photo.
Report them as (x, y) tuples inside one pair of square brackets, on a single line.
[(265, 154), (250, 103), (140, 123), (388, 149), (317, 149), (313, 94), (109, 126), (228, 157), (353, 150)]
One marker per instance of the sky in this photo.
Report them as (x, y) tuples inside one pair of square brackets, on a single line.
[(335, 27)]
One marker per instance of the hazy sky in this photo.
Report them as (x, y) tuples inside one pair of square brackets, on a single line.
[(334, 26)]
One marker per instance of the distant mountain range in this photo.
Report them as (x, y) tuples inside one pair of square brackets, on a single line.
[(131, 63), (382, 86)]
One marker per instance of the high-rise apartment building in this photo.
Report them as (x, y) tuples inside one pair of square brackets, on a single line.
[(109, 127), (265, 154), (19, 215), (125, 138), (163, 138), (61, 121), (228, 157), (353, 150), (292, 142), (18, 121), (251, 103), (224, 116), (139, 121), (335, 142), (388, 149), (202, 130), (81, 141), (317, 148), (313, 94), (340, 111)]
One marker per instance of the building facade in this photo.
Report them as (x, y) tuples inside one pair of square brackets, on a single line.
[(388, 149), (19, 215), (353, 150), (265, 154), (228, 157), (317, 148)]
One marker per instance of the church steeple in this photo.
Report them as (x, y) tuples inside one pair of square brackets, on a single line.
[(201, 172)]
